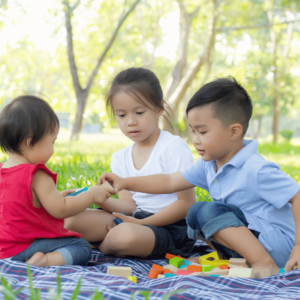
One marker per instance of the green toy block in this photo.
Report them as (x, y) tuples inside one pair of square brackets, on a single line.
[(176, 261), (207, 268)]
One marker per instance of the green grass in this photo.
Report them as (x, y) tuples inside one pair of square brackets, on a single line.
[(79, 164)]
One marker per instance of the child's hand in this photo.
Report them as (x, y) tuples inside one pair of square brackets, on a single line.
[(100, 193), (67, 192), (127, 219), (117, 182), (294, 261)]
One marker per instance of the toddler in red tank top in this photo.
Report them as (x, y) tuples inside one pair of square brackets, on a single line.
[(32, 210)]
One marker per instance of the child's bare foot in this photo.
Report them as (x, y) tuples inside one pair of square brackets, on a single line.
[(263, 266), (38, 259)]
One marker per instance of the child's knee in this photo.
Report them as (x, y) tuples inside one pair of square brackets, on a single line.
[(199, 214)]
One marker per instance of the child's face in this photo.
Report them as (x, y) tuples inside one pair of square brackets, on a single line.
[(211, 138), (43, 149), (136, 120)]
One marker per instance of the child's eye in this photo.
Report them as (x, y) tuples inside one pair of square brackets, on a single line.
[(140, 112), (203, 132), (121, 116)]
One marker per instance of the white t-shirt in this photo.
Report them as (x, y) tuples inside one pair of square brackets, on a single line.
[(169, 155)]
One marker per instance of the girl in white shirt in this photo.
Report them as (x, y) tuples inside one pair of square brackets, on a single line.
[(153, 225)]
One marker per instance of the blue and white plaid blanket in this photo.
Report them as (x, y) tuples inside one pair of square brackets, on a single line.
[(94, 277)]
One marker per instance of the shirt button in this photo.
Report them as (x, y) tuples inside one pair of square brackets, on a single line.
[(216, 181)]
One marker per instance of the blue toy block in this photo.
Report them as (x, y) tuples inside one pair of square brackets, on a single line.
[(214, 275), (281, 271), (169, 275), (187, 262), (78, 192), (118, 221), (183, 266)]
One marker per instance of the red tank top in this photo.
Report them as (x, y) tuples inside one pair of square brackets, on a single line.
[(20, 222)]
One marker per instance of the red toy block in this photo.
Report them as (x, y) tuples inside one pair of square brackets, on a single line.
[(194, 268), (167, 271), (223, 267), (184, 272)]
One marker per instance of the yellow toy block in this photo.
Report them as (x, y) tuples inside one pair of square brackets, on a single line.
[(215, 263), (213, 254), (132, 278)]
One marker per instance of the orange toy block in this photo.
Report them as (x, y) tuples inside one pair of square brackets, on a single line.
[(223, 267), (184, 272), (169, 256), (167, 271), (155, 271), (194, 268)]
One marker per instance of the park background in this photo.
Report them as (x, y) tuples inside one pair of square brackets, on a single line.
[(68, 51)]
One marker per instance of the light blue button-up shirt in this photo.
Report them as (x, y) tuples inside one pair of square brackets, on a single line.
[(260, 189)]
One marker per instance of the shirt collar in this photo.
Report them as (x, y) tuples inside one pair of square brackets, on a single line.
[(250, 147)]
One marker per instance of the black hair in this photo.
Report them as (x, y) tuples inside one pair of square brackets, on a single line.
[(140, 82), (230, 101), (25, 117)]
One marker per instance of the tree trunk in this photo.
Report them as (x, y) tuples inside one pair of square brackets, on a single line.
[(256, 131)]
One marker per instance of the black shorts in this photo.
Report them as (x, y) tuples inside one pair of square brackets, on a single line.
[(171, 239)]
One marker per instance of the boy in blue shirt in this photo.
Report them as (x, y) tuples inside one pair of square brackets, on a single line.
[(251, 215)]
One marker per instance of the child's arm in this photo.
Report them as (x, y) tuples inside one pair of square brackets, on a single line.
[(63, 207), (124, 204), (294, 260), (169, 215), (153, 184)]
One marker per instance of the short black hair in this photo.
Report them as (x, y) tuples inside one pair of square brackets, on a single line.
[(25, 117), (230, 101)]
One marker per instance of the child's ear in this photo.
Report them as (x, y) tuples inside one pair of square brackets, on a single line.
[(236, 131), (28, 142)]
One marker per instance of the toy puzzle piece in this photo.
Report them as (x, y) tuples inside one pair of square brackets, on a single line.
[(124, 272), (79, 191)]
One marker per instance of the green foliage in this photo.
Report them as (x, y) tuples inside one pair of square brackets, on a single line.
[(287, 134)]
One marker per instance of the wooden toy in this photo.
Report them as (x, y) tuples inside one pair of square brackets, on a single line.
[(161, 276), (176, 261), (241, 272), (223, 267), (169, 275), (155, 271), (239, 262), (171, 267), (214, 262), (207, 268), (194, 268), (217, 272), (184, 272), (281, 271), (263, 274), (167, 271), (170, 256), (212, 254), (183, 267), (235, 266), (79, 191), (132, 278), (124, 272), (214, 275)]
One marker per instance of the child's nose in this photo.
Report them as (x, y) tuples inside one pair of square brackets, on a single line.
[(131, 120)]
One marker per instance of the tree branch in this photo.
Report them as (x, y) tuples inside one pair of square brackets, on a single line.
[(70, 47), (75, 6), (255, 26), (101, 58)]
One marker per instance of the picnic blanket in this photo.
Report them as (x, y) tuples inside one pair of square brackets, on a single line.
[(94, 277)]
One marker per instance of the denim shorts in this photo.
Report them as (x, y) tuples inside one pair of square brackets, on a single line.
[(171, 239), (204, 219), (76, 251)]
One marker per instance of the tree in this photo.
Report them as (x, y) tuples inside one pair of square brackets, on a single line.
[(83, 93)]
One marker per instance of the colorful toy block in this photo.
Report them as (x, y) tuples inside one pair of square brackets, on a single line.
[(212, 275), (240, 262), (132, 278), (215, 263), (79, 191), (207, 268), (212, 254), (124, 272), (241, 272), (187, 262), (170, 256), (194, 268), (183, 267), (160, 276), (155, 271), (176, 261), (167, 271), (184, 272), (171, 267), (281, 271), (169, 275), (223, 267)]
